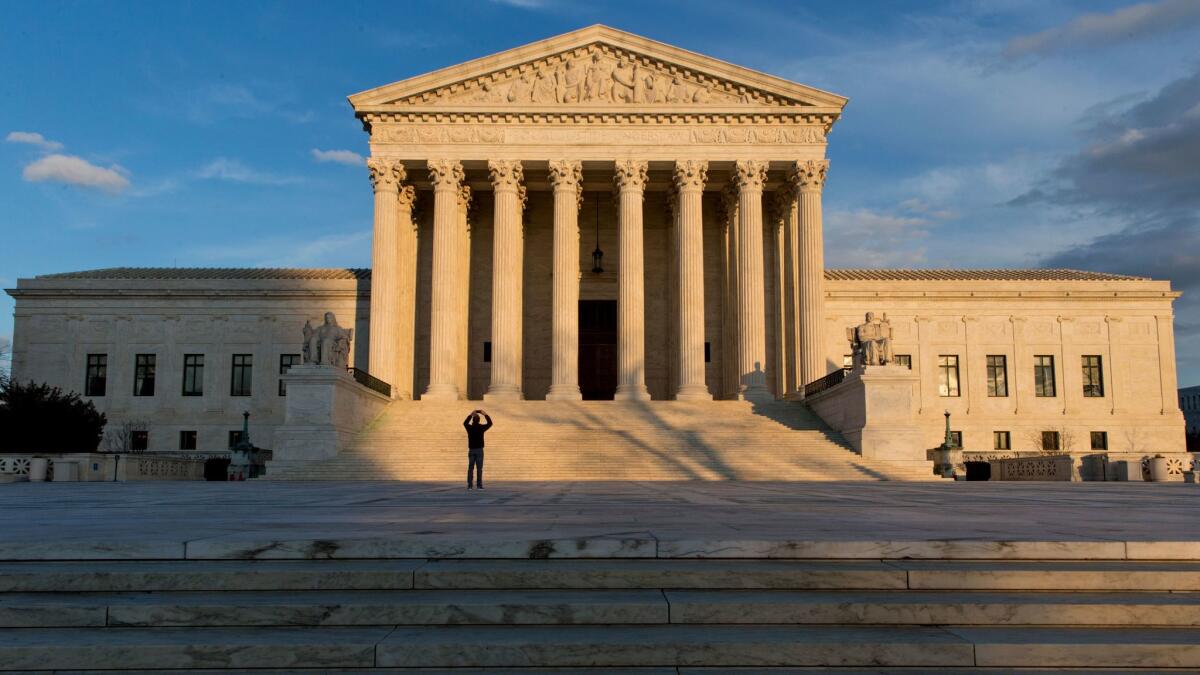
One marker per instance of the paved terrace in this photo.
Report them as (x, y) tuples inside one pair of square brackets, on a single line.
[(273, 520)]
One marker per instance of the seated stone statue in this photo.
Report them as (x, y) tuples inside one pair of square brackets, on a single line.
[(327, 344), (871, 341)]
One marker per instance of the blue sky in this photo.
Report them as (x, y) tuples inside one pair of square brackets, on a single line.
[(999, 133)]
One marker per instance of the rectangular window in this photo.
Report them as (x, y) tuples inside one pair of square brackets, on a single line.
[(997, 376), (1050, 440), (1093, 377), (193, 374), (97, 375), (1043, 376), (956, 439), (1099, 440), (847, 360), (487, 351), (143, 375), (187, 440), (241, 377), (286, 361), (235, 437), (948, 375), (139, 440), (1001, 440), (904, 360)]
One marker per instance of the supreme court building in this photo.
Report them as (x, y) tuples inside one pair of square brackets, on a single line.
[(602, 216)]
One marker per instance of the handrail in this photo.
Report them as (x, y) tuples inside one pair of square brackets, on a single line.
[(370, 381), (831, 380)]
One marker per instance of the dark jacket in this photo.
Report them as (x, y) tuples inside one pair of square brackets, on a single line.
[(475, 432)]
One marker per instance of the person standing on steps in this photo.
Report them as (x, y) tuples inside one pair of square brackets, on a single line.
[(475, 431)]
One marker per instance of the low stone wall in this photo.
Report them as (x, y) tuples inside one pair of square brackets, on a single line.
[(873, 409), (1092, 466), (106, 467), (1042, 468)]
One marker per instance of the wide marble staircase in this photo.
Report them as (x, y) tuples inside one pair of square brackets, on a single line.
[(652, 615), (605, 440)]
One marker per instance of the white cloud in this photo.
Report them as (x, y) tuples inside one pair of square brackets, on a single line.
[(348, 157), (869, 238), (33, 138), (1099, 30), (523, 4), (224, 168), (77, 171)]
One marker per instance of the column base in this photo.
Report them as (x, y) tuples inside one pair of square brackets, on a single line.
[(693, 392), (757, 394), (564, 392), (441, 392), (503, 392), (631, 392)]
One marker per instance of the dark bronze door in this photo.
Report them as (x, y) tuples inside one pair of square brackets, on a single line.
[(598, 349)]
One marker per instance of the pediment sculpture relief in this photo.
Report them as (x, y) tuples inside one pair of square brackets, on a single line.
[(597, 74)]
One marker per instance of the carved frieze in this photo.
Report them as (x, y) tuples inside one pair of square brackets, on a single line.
[(471, 134), (597, 74)]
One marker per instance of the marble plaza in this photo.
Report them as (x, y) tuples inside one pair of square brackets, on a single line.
[(618, 244)]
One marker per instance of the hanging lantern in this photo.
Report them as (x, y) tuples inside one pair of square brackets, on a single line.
[(597, 255)]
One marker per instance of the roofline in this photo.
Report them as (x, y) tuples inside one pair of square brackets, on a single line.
[(579, 38)]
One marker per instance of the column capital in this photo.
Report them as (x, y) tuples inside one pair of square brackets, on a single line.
[(566, 174), (750, 174), (506, 174), (809, 175), (690, 174), (781, 203), (729, 200), (407, 196), (464, 197), (445, 174), (386, 174), (630, 175)]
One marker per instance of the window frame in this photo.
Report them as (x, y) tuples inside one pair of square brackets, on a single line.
[(1044, 378), (235, 437), (1055, 445), (996, 438), (1103, 436), (293, 360), (956, 439), (1093, 375), (904, 360), (100, 366), (139, 437), (997, 375), (184, 437), (144, 374), (945, 369), (241, 364), (193, 370)]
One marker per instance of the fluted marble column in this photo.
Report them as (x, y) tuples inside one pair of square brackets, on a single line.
[(386, 176), (630, 179), (730, 382), (506, 280), (447, 177), (690, 177), (462, 362), (750, 175), (566, 175), (809, 179), (406, 305)]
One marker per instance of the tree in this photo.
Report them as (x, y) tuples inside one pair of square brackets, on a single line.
[(40, 418), (1066, 441), (5, 358), (120, 439)]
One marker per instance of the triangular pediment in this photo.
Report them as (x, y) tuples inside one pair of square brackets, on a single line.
[(594, 67)]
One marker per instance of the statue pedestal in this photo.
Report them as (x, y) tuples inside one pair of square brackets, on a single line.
[(873, 408), (326, 408)]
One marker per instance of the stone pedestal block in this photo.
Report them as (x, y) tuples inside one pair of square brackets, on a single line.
[(326, 408), (874, 410)]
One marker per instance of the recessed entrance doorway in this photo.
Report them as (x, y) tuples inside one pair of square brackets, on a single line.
[(598, 349)]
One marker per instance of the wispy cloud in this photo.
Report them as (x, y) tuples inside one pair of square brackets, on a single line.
[(321, 251), (872, 238), (77, 171), (348, 157), (1135, 22), (35, 139), (524, 4), (233, 170)]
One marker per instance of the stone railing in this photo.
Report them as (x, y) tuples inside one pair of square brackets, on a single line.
[(103, 466), (1036, 468)]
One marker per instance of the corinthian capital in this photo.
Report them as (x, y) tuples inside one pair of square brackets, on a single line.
[(464, 197), (750, 174), (809, 175), (630, 175), (566, 174), (445, 174), (408, 196), (691, 174), (506, 174), (386, 174)]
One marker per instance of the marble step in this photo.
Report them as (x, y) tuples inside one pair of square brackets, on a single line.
[(331, 608), (596, 646), (560, 607)]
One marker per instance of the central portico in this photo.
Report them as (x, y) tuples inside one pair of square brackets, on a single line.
[(494, 181)]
